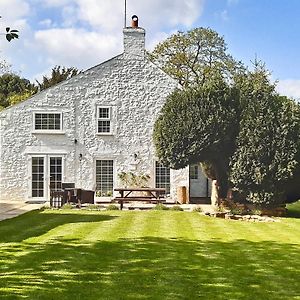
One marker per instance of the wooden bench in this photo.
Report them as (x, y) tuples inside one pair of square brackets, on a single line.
[(155, 195), (121, 201)]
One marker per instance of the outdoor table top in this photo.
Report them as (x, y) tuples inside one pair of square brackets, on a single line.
[(138, 189)]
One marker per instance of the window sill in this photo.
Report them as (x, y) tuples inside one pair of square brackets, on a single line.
[(48, 132), (104, 134)]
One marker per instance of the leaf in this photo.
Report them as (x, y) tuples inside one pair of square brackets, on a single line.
[(7, 29), (9, 37)]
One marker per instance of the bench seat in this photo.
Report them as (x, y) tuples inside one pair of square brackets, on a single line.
[(137, 199)]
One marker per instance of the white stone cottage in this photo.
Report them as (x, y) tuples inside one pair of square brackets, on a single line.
[(88, 129)]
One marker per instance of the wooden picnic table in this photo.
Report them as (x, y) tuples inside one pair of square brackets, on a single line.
[(152, 195)]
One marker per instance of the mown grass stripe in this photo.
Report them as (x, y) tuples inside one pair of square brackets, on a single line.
[(148, 255)]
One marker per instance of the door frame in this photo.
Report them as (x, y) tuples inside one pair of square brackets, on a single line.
[(200, 173), (46, 158)]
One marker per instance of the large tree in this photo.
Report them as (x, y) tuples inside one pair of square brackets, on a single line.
[(247, 136), (58, 74), (194, 56), (199, 125)]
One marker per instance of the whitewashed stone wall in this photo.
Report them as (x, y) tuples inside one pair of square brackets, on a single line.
[(134, 87)]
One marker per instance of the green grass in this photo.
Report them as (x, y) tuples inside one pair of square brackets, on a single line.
[(294, 210), (73, 255)]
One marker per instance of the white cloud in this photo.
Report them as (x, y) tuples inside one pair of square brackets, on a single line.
[(289, 87), (157, 38), (12, 10), (86, 32), (76, 47), (55, 3), (152, 13)]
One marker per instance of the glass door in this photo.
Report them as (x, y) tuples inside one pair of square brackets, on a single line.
[(46, 175), (38, 177), (55, 173)]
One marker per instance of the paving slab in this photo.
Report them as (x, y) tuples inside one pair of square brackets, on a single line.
[(13, 209)]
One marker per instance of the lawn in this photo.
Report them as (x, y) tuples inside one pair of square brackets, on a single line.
[(72, 254)]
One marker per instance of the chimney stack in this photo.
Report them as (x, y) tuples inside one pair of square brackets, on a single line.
[(134, 40)]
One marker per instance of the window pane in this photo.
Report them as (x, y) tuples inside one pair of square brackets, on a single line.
[(104, 113), (194, 170), (103, 126), (49, 121), (37, 173), (55, 173)]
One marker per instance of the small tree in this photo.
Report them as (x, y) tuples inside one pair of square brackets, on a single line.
[(199, 125)]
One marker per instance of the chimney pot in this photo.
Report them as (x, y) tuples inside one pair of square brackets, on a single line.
[(135, 21)]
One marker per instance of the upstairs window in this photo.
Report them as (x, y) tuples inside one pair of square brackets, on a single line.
[(104, 120), (48, 121)]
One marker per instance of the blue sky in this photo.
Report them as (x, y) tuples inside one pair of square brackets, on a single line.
[(83, 33)]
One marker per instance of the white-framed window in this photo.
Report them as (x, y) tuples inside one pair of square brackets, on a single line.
[(104, 177), (162, 177), (47, 121), (104, 124)]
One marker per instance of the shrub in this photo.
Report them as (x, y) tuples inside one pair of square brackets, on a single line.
[(131, 179), (160, 206), (67, 206), (93, 207), (255, 211), (198, 209), (112, 207), (177, 208), (237, 211)]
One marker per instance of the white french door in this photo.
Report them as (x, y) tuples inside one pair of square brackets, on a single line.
[(46, 175)]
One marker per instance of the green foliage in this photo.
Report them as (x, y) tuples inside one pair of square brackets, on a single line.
[(17, 98), (268, 144), (58, 74), (160, 206), (237, 211), (130, 179), (14, 88), (199, 125), (100, 193), (5, 67), (112, 207), (67, 206), (197, 209), (176, 208), (195, 56), (93, 207)]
